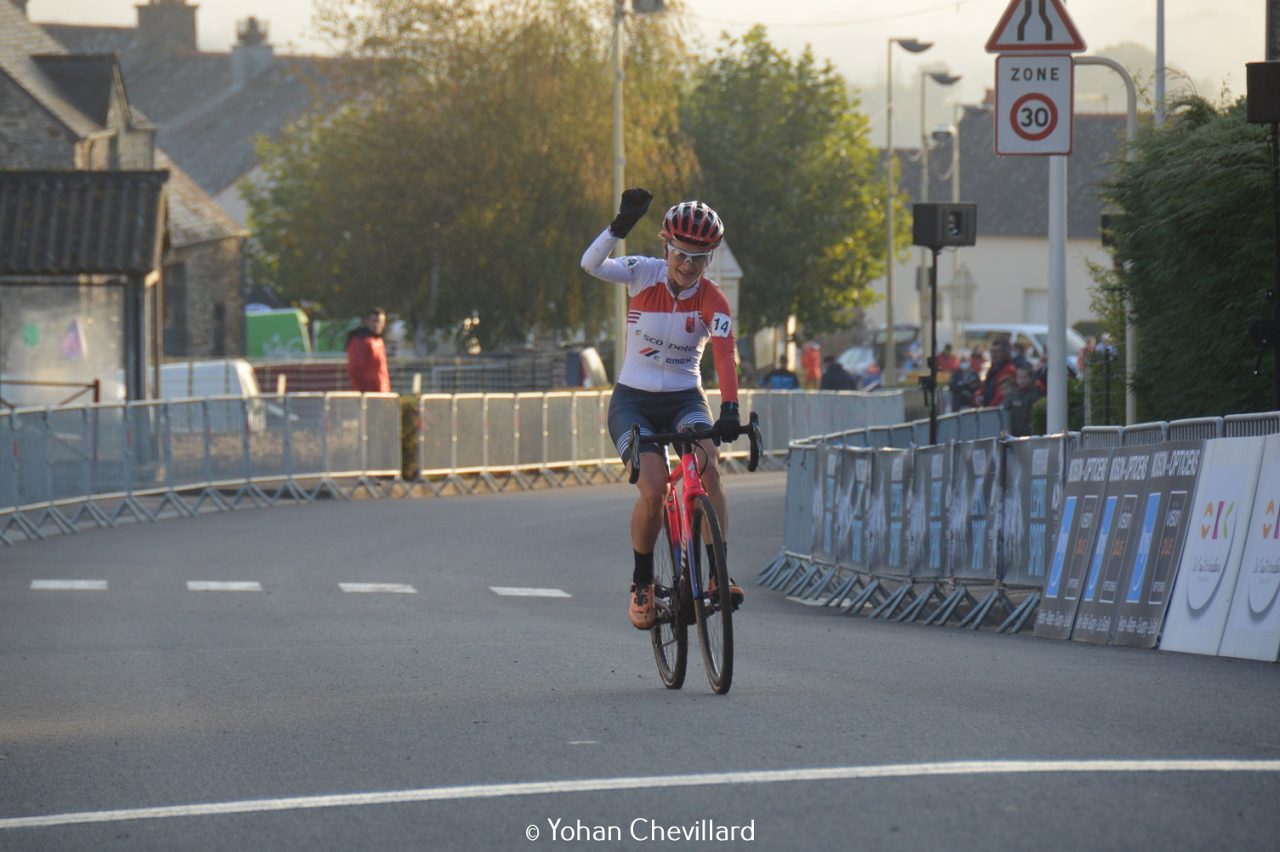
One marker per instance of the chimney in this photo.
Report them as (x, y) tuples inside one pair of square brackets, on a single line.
[(170, 22), (251, 54)]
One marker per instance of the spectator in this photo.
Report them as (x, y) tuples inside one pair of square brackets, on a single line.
[(1082, 358), (780, 378), (1001, 366), (1021, 395), (948, 361), (811, 364), (964, 386), (977, 360), (1019, 354), (367, 354), (836, 377)]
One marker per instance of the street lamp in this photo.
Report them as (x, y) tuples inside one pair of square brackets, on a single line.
[(640, 7), (942, 78), (910, 45)]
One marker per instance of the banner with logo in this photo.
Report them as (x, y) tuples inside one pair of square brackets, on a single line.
[(1253, 625), (826, 489), (1031, 497), (1210, 563), (1108, 578), (857, 476), (972, 515), (926, 532), (845, 501), (887, 515), (1086, 485), (1163, 524), (798, 530)]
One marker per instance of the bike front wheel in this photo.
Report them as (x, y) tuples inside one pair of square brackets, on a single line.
[(714, 609), (670, 633)]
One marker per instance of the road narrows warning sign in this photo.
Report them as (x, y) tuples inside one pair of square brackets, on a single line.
[(1035, 25)]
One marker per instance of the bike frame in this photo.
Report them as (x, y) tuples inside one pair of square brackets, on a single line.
[(678, 506)]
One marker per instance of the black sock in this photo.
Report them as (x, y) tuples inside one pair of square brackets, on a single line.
[(642, 575)]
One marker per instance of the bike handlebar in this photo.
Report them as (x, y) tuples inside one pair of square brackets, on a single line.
[(752, 432)]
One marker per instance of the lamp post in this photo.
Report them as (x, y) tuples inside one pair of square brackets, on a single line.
[(640, 7), (910, 45), (942, 78)]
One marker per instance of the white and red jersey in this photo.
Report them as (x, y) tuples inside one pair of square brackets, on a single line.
[(666, 333)]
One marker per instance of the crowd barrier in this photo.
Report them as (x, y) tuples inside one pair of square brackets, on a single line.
[(98, 464), (1161, 534), (492, 440)]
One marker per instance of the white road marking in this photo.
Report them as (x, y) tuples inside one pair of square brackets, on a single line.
[(68, 585), (215, 586), (584, 742), (539, 788), (520, 592), (385, 588)]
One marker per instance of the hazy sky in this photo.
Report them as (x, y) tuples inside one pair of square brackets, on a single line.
[(1211, 40)]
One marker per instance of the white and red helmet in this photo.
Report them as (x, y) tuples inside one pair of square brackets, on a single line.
[(695, 223)]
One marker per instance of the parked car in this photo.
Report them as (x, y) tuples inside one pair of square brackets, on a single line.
[(214, 378), (857, 360)]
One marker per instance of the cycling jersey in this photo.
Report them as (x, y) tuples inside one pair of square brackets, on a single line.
[(666, 332)]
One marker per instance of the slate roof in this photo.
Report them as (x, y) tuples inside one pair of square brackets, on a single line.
[(20, 42), (87, 81), (194, 217), (81, 222), (1011, 192), (207, 124), (78, 38)]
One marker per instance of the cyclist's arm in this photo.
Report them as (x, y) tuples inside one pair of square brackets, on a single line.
[(596, 261), (724, 348)]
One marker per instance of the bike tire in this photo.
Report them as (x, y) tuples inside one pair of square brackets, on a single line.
[(714, 614), (670, 633)]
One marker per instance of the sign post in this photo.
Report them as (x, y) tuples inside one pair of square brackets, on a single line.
[(1034, 106)]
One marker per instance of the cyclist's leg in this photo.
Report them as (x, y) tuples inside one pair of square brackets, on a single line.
[(715, 488), (626, 407)]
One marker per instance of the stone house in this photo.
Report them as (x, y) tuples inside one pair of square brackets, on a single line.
[(60, 111)]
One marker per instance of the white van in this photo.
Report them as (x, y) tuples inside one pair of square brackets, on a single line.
[(217, 377), (1033, 336)]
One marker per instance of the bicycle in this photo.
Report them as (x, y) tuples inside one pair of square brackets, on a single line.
[(682, 566)]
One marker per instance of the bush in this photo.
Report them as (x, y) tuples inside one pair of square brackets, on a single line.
[(1075, 409), (409, 437)]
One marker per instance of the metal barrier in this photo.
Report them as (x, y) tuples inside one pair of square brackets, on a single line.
[(1201, 428), (557, 437), (1101, 437), (1247, 425), (96, 464), (1144, 433)]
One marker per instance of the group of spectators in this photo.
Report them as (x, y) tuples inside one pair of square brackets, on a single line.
[(818, 372), (1010, 382)]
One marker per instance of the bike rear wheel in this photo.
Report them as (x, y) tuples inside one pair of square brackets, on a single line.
[(714, 612), (670, 633)]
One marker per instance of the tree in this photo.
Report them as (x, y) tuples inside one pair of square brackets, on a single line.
[(472, 173), (1194, 235), (787, 161)]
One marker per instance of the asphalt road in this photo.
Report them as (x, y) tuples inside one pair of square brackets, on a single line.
[(302, 716)]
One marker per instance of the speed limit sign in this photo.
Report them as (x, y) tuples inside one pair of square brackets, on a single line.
[(1034, 104)]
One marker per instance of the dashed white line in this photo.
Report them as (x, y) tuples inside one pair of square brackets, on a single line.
[(216, 586), (68, 585), (379, 588), (521, 592), (538, 788)]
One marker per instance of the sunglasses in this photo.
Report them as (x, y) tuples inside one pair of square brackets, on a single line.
[(697, 258)]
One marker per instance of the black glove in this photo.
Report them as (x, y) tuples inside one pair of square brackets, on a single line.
[(634, 204), (730, 423)]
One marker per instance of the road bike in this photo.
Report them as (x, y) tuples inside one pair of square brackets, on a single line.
[(690, 574)]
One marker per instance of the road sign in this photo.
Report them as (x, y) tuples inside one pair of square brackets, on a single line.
[(1035, 26), (1034, 98)]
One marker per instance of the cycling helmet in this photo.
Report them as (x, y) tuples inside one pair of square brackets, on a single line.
[(695, 223)]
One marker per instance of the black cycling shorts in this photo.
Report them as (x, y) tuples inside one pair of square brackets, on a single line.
[(655, 411)]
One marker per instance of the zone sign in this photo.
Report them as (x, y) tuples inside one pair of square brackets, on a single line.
[(1034, 100)]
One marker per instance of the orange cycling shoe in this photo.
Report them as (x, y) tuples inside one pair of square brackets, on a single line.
[(735, 591), (642, 610)]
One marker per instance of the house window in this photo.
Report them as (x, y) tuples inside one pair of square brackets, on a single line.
[(175, 309)]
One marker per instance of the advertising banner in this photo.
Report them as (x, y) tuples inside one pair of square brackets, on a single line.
[(798, 523), (971, 516), (845, 502), (1206, 578), (1253, 626), (1085, 486), (1032, 497), (887, 517), (926, 532), (1123, 517), (1162, 531), (826, 487), (858, 464)]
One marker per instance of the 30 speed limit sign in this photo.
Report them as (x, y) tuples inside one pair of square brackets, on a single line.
[(1033, 104)]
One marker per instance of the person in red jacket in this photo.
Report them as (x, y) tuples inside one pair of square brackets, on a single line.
[(367, 354), (1001, 367)]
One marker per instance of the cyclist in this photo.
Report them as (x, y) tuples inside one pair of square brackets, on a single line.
[(672, 314)]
